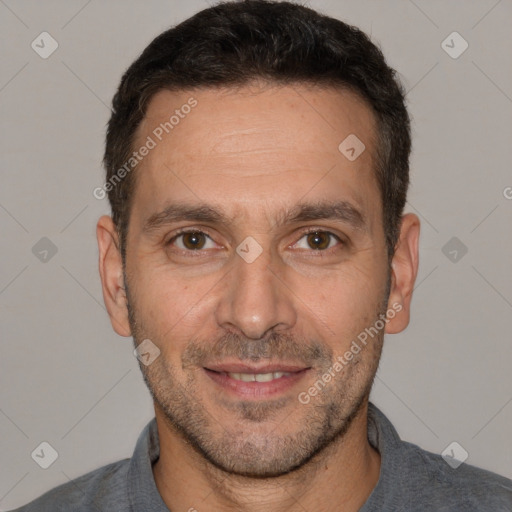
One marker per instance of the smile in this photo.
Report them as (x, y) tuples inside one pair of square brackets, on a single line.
[(257, 377), (249, 382)]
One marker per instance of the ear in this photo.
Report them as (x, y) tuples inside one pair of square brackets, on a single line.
[(404, 269), (111, 272)]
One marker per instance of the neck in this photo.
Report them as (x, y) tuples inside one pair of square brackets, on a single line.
[(341, 476)]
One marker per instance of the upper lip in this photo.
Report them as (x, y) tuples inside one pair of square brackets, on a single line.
[(235, 367)]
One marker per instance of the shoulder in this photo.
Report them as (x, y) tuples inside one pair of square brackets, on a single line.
[(103, 488), (415, 480), (444, 486)]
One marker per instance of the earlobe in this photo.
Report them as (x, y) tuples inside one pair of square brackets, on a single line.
[(404, 269), (111, 273)]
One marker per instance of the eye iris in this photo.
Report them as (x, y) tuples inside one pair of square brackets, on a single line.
[(196, 240), (318, 240)]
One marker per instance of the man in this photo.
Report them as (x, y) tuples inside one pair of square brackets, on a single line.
[(257, 169)]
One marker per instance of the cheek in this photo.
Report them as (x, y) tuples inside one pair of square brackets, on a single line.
[(171, 306), (341, 303)]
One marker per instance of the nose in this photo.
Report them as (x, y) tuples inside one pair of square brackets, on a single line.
[(255, 298)]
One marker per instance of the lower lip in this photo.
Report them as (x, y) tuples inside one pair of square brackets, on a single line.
[(256, 390)]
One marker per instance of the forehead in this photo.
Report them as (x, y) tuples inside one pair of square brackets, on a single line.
[(256, 146)]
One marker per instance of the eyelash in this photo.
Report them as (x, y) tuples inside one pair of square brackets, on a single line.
[(303, 234)]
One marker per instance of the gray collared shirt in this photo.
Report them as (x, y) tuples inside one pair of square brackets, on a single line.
[(411, 480)]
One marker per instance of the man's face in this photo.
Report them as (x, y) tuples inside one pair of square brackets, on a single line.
[(270, 289)]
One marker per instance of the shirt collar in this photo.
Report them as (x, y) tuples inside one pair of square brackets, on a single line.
[(385, 439), (142, 489)]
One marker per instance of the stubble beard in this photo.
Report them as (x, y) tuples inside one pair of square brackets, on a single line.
[(248, 447)]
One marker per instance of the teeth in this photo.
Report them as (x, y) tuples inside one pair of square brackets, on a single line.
[(264, 377), (257, 377)]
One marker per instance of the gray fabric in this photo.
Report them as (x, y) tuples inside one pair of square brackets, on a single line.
[(415, 480), (411, 480)]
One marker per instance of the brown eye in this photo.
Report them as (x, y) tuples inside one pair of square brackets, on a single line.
[(193, 240), (319, 240)]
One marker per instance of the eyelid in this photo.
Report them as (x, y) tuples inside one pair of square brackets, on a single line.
[(313, 229), (182, 231)]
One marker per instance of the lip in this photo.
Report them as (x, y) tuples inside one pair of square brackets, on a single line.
[(236, 367), (218, 373)]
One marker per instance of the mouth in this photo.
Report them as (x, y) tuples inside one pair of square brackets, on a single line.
[(255, 382), (257, 377)]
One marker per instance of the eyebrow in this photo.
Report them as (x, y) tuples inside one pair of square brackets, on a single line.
[(342, 211)]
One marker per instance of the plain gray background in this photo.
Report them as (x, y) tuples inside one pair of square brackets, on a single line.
[(66, 378)]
